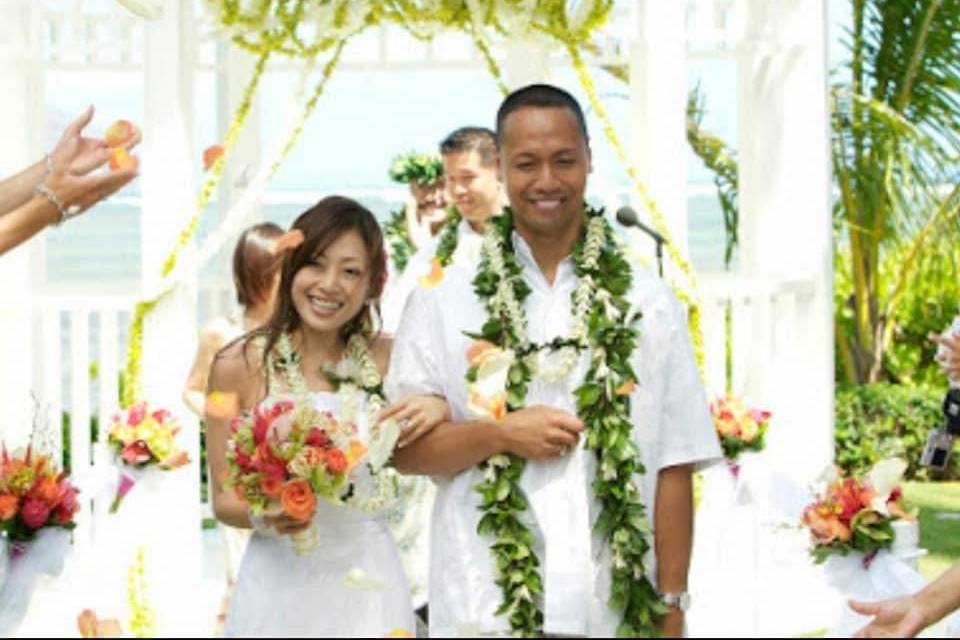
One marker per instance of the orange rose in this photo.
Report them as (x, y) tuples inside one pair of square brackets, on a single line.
[(8, 506), (298, 500)]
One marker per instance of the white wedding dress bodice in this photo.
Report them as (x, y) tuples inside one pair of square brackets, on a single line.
[(351, 584)]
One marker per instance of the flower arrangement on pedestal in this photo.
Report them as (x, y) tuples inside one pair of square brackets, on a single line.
[(855, 515), (33, 495), (739, 428), (140, 438)]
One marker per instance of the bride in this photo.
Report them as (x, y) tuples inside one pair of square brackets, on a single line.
[(351, 583)]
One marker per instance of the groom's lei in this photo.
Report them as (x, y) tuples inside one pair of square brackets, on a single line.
[(601, 325)]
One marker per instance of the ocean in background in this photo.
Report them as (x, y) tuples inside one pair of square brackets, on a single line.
[(100, 251)]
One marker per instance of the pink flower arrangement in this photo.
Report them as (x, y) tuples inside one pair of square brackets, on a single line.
[(33, 495), (141, 438)]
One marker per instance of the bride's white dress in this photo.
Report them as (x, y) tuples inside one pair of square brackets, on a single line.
[(351, 584)]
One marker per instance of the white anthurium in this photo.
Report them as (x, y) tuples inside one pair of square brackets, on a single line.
[(381, 447), (146, 9), (492, 371), (883, 478)]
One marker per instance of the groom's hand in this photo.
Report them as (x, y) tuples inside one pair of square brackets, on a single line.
[(541, 432)]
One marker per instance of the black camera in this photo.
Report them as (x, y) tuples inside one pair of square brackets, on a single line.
[(936, 452)]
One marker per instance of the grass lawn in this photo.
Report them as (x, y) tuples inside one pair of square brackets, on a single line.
[(939, 512)]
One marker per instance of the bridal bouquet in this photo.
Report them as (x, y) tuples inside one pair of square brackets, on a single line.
[(139, 439), (856, 515), (740, 428), (33, 495), (284, 456)]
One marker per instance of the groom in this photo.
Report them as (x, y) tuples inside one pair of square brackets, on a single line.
[(557, 447)]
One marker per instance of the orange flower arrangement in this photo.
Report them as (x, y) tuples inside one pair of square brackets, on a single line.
[(738, 427), (855, 515), (33, 495)]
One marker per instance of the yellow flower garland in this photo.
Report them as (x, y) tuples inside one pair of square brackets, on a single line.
[(143, 622)]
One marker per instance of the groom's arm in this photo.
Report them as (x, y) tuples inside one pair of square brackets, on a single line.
[(535, 433), (673, 537)]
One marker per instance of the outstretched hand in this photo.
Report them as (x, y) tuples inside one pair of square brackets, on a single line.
[(896, 618), (79, 155)]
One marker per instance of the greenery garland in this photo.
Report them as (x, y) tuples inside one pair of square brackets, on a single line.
[(401, 246), (449, 237), (423, 168), (603, 404)]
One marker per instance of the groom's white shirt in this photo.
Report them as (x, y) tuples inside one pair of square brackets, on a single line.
[(672, 426)]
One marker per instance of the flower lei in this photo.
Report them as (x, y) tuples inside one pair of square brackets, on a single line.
[(601, 324), (356, 372)]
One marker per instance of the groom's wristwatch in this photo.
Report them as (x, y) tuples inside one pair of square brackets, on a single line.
[(679, 601)]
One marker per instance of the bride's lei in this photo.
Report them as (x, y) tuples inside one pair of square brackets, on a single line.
[(600, 324), (356, 372)]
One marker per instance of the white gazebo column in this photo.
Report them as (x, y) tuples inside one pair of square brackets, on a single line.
[(167, 183), (785, 232), (658, 99), (786, 220), (21, 129)]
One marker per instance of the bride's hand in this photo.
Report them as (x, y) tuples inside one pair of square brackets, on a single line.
[(417, 416), (277, 523)]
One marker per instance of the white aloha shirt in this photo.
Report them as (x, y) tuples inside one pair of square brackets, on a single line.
[(672, 426)]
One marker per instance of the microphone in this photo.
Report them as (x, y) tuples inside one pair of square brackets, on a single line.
[(628, 218)]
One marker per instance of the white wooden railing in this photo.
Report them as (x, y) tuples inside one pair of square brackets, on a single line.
[(75, 332)]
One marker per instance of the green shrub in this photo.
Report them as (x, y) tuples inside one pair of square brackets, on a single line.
[(875, 421)]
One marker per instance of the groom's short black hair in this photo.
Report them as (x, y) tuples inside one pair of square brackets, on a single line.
[(540, 95)]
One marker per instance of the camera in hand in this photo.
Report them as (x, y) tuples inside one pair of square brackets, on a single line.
[(936, 453)]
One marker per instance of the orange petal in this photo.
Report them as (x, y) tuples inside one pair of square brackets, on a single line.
[(290, 240), (87, 623), (210, 155), (433, 278), (627, 387), (119, 133), (120, 159), (477, 350), (223, 405)]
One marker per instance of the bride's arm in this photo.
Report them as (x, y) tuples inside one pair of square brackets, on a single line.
[(232, 385)]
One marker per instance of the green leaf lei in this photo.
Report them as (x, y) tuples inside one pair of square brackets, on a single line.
[(401, 246), (412, 166), (604, 409), (449, 237)]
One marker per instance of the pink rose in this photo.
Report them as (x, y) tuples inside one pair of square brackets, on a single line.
[(68, 497), (34, 513), (137, 413), (136, 453), (317, 437), (161, 415)]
